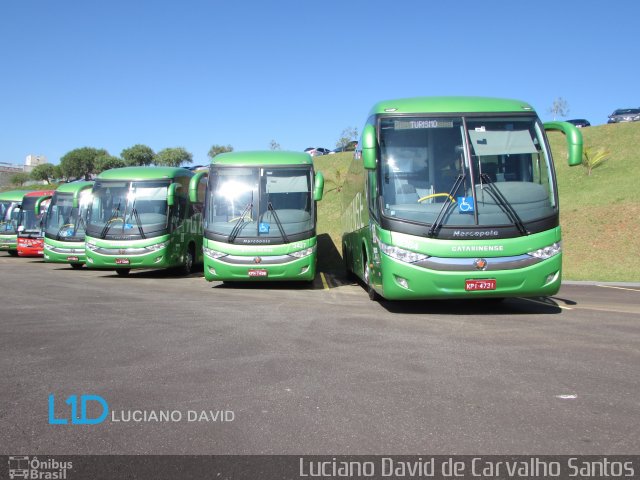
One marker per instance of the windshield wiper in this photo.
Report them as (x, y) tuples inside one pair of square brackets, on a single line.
[(500, 199), (437, 223), (107, 225), (238, 226), (278, 223), (134, 214)]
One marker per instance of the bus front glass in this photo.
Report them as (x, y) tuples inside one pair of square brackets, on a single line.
[(64, 221), (493, 171), (273, 204), (9, 213), (28, 221), (132, 210)]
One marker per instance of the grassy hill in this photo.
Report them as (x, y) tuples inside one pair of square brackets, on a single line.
[(600, 213)]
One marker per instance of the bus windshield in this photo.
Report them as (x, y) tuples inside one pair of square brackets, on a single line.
[(64, 221), (259, 202), (28, 221), (493, 171), (134, 209), (9, 213)]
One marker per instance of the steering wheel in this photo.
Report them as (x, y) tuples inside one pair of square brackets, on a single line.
[(433, 195), (235, 219)]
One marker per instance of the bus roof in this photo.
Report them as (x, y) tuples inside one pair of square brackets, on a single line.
[(450, 105), (13, 195), (38, 193), (144, 173), (266, 157), (73, 187)]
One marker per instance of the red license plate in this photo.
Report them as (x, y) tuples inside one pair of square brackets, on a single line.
[(122, 261), (72, 259), (258, 273), (486, 284)]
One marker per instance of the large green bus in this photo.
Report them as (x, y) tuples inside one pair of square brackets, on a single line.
[(10, 203), (142, 217), (455, 197), (65, 224), (260, 217)]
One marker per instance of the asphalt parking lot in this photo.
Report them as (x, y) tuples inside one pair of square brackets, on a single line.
[(290, 369)]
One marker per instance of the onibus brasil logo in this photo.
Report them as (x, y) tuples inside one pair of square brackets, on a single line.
[(22, 466)]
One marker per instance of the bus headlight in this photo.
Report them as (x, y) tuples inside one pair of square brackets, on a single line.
[(157, 246), (212, 253), (401, 254), (547, 252), (303, 253)]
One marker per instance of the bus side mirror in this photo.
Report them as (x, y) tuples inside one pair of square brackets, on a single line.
[(78, 194), (171, 194), (193, 187), (318, 187), (369, 147), (38, 207), (574, 140)]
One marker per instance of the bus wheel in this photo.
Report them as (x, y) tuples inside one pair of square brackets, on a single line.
[(373, 295), (13, 253), (76, 265), (187, 268), (123, 272)]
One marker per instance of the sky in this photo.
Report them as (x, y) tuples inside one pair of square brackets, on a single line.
[(115, 73)]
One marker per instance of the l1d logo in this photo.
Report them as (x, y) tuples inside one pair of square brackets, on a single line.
[(82, 419)]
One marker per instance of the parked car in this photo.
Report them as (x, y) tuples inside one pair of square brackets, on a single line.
[(317, 151), (625, 115), (580, 122), (351, 146)]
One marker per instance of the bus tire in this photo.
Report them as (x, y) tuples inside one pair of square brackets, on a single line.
[(123, 272), (13, 253), (187, 267), (76, 266), (373, 295)]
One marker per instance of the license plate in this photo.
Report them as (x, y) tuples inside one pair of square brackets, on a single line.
[(122, 261), (72, 259), (473, 285), (258, 273)]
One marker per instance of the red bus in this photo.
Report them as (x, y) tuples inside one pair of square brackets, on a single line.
[(30, 236)]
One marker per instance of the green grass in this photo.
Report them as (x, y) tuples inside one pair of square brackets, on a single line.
[(600, 214)]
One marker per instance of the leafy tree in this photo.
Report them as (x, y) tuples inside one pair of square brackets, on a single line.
[(593, 158), (173, 157), (347, 136), (560, 108), (138, 155), (19, 178), (80, 163), (107, 162), (273, 145), (44, 171), (57, 172), (218, 149)]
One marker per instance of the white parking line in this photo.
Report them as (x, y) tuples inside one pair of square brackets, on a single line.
[(619, 288)]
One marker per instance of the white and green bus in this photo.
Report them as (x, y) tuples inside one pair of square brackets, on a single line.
[(455, 197), (142, 217), (65, 224), (10, 203), (260, 217)]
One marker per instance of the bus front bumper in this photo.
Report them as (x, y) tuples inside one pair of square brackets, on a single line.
[(64, 253), (256, 269), (402, 281)]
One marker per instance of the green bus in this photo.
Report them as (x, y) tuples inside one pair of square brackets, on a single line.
[(10, 203), (260, 217), (65, 224), (142, 217), (454, 197)]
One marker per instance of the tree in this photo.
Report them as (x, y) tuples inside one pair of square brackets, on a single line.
[(593, 158), (43, 172), (80, 163), (19, 178), (273, 145), (560, 108), (107, 162), (173, 157), (348, 135), (218, 149), (138, 155)]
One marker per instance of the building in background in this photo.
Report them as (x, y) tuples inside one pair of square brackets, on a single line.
[(33, 161)]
